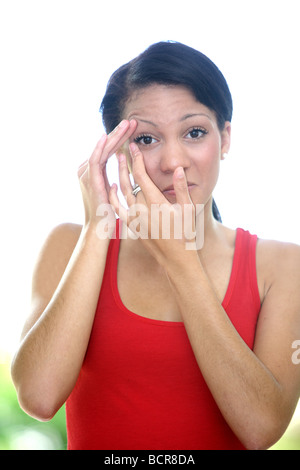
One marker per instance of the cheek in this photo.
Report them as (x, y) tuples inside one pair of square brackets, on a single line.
[(212, 148), (152, 164), (207, 158), (212, 167), (206, 167)]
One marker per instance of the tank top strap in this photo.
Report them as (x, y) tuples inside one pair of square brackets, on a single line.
[(252, 241), (243, 280)]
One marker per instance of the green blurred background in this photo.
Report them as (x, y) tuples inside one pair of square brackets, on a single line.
[(20, 432)]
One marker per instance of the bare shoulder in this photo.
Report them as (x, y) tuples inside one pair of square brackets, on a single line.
[(57, 249), (278, 262), (62, 238), (50, 265), (277, 249), (65, 232)]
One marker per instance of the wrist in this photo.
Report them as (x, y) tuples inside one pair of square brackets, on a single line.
[(93, 235), (100, 229), (184, 264)]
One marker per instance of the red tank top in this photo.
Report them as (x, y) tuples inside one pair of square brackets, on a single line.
[(140, 386)]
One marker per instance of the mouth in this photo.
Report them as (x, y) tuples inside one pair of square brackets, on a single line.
[(170, 191)]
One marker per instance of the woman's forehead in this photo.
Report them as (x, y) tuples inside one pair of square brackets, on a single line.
[(163, 101)]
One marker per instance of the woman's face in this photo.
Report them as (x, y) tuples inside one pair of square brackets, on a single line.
[(174, 130)]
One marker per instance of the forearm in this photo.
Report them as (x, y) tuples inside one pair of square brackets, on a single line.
[(246, 392), (50, 356)]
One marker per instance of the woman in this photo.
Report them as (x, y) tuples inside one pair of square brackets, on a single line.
[(159, 342)]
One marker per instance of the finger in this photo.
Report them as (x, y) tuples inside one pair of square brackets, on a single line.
[(106, 182), (150, 191), (125, 183), (183, 199), (108, 144), (96, 155), (115, 202), (117, 138), (93, 164), (83, 164), (82, 168), (181, 187)]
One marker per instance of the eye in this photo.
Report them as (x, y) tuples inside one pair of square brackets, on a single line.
[(145, 139), (196, 133)]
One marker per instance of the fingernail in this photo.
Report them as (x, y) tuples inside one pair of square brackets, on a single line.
[(180, 172), (102, 138), (122, 124), (133, 148)]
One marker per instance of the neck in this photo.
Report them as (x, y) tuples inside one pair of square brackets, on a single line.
[(213, 233), (211, 225)]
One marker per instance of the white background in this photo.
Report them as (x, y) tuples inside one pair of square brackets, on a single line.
[(56, 58)]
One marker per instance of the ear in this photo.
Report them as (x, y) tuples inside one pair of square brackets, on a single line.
[(225, 138)]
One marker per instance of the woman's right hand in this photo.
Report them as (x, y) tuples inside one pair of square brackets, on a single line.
[(92, 175)]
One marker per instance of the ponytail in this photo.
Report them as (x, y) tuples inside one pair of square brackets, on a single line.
[(216, 212)]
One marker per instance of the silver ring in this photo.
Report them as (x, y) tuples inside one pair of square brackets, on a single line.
[(136, 190)]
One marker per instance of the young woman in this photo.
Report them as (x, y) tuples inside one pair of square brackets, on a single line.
[(159, 342)]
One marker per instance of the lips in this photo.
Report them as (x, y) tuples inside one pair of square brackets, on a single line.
[(171, 189)]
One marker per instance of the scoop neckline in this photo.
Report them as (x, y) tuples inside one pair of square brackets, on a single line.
[(115, 290)]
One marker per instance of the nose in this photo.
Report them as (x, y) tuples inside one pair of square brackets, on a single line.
[(173, 155)]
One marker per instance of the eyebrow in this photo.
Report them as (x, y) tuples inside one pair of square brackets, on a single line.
[(147, 122), (186, 116)]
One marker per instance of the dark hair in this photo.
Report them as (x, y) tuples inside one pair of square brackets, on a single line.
[(168, 63)]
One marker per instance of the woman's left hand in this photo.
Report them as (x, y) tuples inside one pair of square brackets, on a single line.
[(167, 230)]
